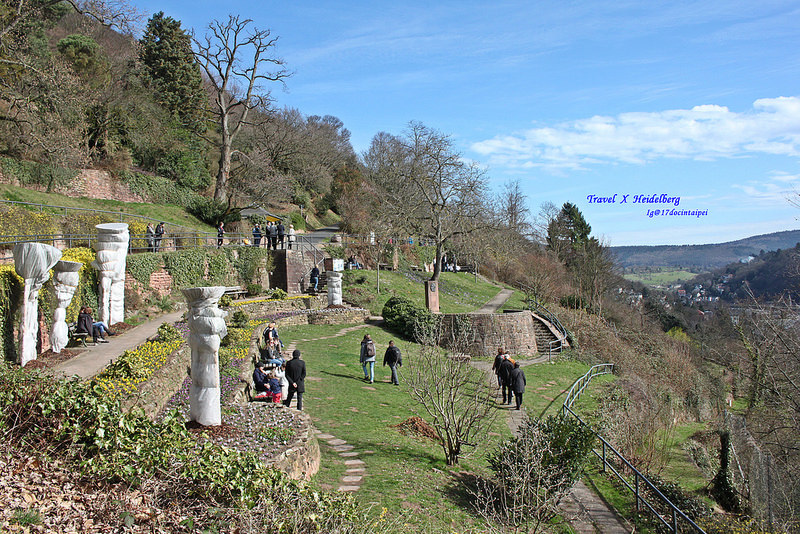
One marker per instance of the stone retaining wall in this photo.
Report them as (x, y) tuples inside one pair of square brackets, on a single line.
[(488, 331), (153, 395)]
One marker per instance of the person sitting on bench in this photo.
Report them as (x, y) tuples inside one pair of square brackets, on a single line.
[(87, 325), (261, 380)]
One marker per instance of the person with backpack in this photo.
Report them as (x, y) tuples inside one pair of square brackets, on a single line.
[(368, 358)]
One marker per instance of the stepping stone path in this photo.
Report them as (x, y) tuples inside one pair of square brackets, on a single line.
[(356, 468)]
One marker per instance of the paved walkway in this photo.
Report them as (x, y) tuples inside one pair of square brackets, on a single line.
[(586, 512), (493, 305), (94, 359)]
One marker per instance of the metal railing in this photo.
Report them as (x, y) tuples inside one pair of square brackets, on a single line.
[(557, 345), (640, 482)]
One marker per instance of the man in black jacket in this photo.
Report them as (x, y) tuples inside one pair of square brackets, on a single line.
[(296, 375), (496, 365), (505, 378), (393, 359), (281, 233)]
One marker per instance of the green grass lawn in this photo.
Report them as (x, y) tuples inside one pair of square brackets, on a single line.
[(458, 292), (165, 212), (661, 278), (405, 474)]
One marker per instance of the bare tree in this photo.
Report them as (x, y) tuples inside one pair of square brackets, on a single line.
[(427, 188), (456, 396), (533, 472), (236, 81)]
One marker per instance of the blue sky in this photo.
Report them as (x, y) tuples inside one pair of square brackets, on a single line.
[(697, 100)]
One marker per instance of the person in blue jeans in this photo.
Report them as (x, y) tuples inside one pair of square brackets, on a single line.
[(314, 277), (368, 358)]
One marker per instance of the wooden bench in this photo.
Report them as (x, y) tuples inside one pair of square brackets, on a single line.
[(77, 336), (235, 291)]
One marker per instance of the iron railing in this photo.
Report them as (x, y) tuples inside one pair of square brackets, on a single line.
[(675, 516)]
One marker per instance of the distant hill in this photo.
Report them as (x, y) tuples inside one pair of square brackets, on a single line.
[(703, 257)]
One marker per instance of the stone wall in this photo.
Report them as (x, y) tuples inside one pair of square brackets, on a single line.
[(153, 395), (89, 183), (488, 331)]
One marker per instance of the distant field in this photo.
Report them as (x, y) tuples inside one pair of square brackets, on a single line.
[(661, 278)]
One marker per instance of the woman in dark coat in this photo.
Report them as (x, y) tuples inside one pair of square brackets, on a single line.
[(518, 384)]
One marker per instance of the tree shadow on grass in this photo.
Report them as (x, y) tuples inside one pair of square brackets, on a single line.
[(340, 375), (461, 490)]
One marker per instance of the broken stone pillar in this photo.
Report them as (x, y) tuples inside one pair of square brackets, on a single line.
[(66, 278), (334, 288), (206, 329), (112, 251), (33, 262)]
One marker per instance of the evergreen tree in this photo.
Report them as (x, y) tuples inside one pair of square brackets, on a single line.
[(169, 63)]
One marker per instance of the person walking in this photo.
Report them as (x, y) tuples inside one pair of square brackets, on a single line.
[(393, 359), (518, 383), (296, 376), (281, 233), (220, 234), (257, 235), (313, 277), (151, 238), (368, 358), (505, 378), (496, 365), (159, 236), (291, 235)]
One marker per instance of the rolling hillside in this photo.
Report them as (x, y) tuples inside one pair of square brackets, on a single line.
[(704, 257)]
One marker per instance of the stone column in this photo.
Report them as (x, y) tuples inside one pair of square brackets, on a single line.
[(206, 328), (112, 251), (334, 288), (33, 262), (66, 278)]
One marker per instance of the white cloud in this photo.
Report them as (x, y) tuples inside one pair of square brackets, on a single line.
[(705, 132), (778, 190)]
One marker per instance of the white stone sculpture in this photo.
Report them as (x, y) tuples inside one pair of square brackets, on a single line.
[(206, 329), (33, 262), (334, 280), (112, 251), (66, 277)]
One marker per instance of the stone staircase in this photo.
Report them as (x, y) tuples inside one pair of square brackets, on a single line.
[(545, 333), (291, 272)]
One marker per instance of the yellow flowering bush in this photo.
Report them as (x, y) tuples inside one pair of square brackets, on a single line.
[(18, 221), (10, 294), (236, 304), (135, 366)]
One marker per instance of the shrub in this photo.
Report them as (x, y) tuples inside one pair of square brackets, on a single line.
[(225, 301), (240, 319), (167, 333), (236, 336), (406, 318), (279, 294), (254, 289)]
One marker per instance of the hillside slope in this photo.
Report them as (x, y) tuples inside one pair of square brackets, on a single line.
[(710, 256)]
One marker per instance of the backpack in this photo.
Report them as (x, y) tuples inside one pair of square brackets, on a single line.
[(370, 349)]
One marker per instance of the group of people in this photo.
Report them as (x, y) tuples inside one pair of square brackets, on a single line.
[(154, 236), (274, 234), (275, 378), (87, 325), (510, 377), (391, 357)]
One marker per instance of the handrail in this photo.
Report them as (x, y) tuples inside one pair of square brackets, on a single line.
[(573, 395), (534, 306)]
